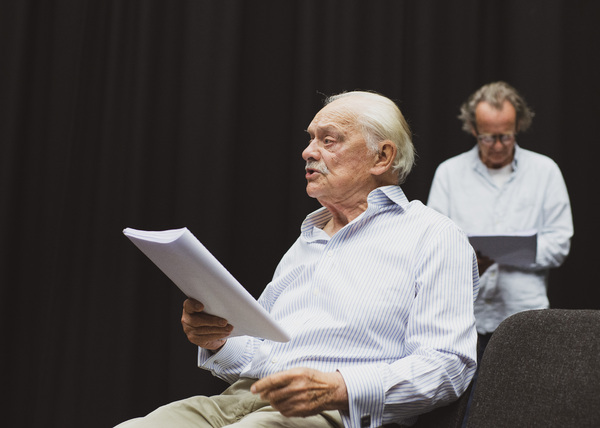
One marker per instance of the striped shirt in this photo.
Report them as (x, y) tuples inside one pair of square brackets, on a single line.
[(387, 301)]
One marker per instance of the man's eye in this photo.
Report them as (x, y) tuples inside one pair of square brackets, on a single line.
[(329, 141)]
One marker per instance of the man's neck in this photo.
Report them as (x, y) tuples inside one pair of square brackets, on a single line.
[(343, 212), (338, 222)]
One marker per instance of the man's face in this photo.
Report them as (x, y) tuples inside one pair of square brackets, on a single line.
[(338, 161), (491, 121)]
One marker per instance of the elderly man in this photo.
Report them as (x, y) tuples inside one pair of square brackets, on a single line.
[(498, 187), (377, 294)]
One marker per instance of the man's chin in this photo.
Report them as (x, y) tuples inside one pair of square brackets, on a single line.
[(496, 164), (309, 192), (312, 190)]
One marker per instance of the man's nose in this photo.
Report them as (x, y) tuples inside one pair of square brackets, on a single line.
[(310, 152), (497, 140)]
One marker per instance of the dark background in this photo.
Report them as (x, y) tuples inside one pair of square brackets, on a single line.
[(162, 114)]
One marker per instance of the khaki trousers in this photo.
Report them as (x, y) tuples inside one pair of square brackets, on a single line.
[(236, 407)]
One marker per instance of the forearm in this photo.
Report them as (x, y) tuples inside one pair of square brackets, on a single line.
[(552, 249), (556, 230)]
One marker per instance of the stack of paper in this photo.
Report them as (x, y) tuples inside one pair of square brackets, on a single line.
[(200, 276), (516, 249)]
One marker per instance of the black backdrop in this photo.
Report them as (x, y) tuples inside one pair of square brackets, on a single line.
[(162, 114)]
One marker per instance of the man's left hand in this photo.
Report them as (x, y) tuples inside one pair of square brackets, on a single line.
[(303, 391)]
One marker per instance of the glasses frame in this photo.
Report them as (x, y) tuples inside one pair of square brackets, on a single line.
[(504, 138)]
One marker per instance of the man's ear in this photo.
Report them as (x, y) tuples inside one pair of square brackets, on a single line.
[(385, 157)]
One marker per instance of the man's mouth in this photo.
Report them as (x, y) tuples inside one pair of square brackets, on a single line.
[(311, 173), (315, 168)]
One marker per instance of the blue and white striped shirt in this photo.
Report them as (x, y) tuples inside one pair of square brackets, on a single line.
[(387, 301)]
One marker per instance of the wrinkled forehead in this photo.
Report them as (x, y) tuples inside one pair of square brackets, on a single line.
[(341, 114)]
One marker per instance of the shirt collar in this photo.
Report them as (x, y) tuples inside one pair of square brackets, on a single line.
[(480, 166), (378, 199)]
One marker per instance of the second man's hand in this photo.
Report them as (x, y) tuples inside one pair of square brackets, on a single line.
[(483, 262), (204, 330)]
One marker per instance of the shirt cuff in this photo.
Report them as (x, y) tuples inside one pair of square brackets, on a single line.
[(366, 396), (228, 356)]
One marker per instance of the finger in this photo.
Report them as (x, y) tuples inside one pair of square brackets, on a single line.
[(272, 382), (212, 345), (206, 333), (203, 339), (196, 318), (208, 337), (296, 403), (201, 319), (192, 305), (208, 330)]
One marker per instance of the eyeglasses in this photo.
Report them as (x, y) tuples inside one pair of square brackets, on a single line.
[(490, 139)]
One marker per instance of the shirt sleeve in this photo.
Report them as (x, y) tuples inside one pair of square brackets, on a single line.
[(440, 340), (231, 359), (438, 193), (554, 237)]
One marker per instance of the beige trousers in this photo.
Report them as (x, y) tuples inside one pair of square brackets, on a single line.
[(236, 407)]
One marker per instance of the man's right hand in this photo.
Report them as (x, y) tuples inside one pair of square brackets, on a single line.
[(204, 330)]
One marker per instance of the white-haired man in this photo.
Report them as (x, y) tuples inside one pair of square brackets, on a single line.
[(377, 294)]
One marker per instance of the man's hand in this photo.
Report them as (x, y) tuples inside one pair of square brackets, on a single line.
[(303, 391), (206, 331), (483, 262)]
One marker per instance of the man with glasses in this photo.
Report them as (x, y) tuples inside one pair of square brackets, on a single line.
[(498, 187)]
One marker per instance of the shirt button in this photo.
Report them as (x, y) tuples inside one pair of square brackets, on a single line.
[(274, 360), (329, 253)]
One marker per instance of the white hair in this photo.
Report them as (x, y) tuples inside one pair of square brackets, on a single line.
[(380, 119)]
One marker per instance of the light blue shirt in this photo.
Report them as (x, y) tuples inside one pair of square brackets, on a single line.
[(533, 197), (387, 301)]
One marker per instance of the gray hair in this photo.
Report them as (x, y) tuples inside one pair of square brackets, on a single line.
[(495, 94), (380, 119)]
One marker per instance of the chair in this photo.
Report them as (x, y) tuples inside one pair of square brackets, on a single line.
[(541, 368)]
